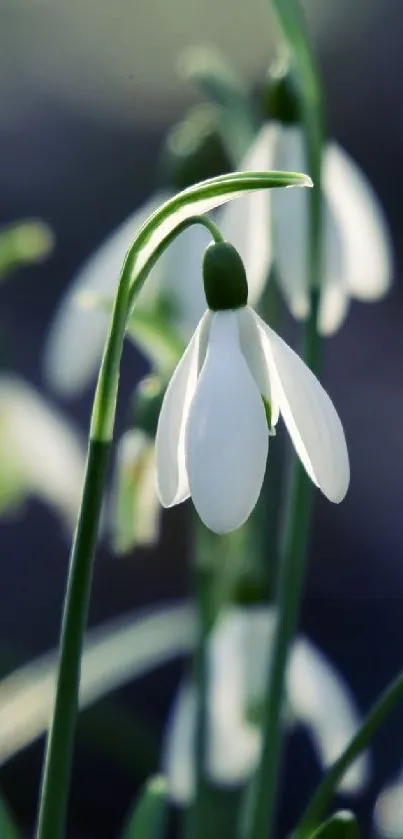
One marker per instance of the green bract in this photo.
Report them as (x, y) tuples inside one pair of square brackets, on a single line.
[(224, 277)]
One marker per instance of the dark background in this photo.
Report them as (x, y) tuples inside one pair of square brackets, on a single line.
[(85, 108)]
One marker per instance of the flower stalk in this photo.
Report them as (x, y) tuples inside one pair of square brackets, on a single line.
[(292, 554)]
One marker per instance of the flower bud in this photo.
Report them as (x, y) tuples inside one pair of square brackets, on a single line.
[(225, 283), (194, 149), (279, 97)]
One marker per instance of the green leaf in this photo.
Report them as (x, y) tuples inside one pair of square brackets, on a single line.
[(342, 825), (323, 796), (217, 79), (23, 243), (114, 653), (8, 827), (148, 818), (180, 211)]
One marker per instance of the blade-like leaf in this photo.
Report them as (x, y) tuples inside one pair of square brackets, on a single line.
[(342, 825), (322, 798), (148, 818), (164, 223), (293, 25), (292, 22), (114, 653)]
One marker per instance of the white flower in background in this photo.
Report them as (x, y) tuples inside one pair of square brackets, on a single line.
[(40, 453), (212, 438), (388, 813), (135, 516), (271, 227), (316, 697)]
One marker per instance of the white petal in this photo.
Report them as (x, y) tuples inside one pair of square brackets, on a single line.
[(333, 308), (321, 699), (178, 751), (310, 416), (290, 225), (172, 481), (233, 743), (365, 239), (388, 813), (238, 665), (291, 242), (46, 451), (76, 339), (253, 350), (226, 433), (246, 223)]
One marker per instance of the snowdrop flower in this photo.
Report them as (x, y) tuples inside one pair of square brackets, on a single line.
[(316, 697), (213, 432), (40, 453), (272, 228)]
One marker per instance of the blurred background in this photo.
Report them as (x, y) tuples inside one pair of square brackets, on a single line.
[(87, 92)]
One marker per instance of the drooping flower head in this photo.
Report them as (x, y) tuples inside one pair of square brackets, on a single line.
[(316, 697), (224, 400), (271, 228)]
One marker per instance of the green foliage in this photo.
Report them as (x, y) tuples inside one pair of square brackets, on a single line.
[(147, 820)]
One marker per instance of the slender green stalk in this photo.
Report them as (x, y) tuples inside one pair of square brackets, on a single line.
[(292, 557), (293, 549), (194, 826), (55, 783), (59, 747), (378, 714)]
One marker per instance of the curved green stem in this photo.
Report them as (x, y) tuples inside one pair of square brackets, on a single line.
[(323, 795), (57, 764), (292, 560)]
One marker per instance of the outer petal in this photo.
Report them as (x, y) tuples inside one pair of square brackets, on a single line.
[(253, 350), (291, 237), (236, 644), (246, 223), (226, 433), (365, 240), (77, 335), (172, 481), (310, 416), (333, 308), (321, 699)]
